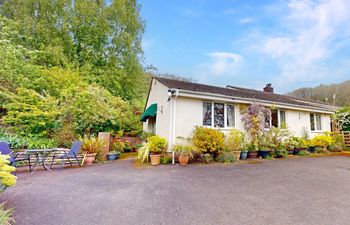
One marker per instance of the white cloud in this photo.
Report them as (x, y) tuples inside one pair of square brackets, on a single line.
[(223, 62), (312, 34), (247, 20)]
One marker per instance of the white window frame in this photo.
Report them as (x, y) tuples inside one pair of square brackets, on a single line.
[(315, 122), (279, 119), (225, 114)]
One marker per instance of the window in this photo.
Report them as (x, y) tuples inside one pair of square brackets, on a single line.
[(277, 119), (315, 122), (230, 115), (207, 114), (283, 121), (218, 115)]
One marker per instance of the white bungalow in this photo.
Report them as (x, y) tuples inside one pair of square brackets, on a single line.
[(175, 107)]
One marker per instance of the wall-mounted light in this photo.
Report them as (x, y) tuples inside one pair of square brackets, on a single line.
[(171, 93)]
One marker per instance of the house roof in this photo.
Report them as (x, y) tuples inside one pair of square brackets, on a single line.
[(232, 91)]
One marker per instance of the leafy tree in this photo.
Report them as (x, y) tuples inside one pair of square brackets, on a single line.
[(28, 112)]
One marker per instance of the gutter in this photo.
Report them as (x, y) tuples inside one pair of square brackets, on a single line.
[(211, 96)]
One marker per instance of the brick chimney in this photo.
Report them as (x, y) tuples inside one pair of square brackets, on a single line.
[(268, 88)]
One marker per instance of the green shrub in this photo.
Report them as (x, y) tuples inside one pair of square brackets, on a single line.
[(157, 144), (322, 141), (235, 140), (303, 153), (166, 160), (7, 179), (6, 215), (226, 157), (335, 147), (208, 140), (18, 142), (118, 146), (281, 154), (207, 158)]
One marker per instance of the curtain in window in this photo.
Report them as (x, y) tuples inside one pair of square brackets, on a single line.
[(207, 114), (219, 115), (318, 122), (230, 111), (312, 121), (283, 122)]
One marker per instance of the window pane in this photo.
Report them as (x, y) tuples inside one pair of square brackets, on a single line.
[(230, 116), (318, 122), (219, 116), (206, 114), (312, 121), (283, 121), (274, 118)]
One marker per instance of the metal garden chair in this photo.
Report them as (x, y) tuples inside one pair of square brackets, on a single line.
[(17, 157), (71, 154)]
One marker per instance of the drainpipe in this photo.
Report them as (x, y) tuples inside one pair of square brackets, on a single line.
[(174, 124)]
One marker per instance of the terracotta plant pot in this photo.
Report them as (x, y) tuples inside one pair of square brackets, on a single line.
[(252, 155), (183, 159), (155, 159), (237, 154), (89, 159)]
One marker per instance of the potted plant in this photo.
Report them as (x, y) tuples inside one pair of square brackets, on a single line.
[(156, 146), (265, 150), (127, 147), (113, 155), (234, 142), (252, 151), (185, 153), (91, 146), (244, 151)]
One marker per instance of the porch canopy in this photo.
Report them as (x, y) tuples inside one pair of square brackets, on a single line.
[(149, 112)]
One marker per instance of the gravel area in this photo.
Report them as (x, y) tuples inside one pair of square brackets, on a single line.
[(292, 191)]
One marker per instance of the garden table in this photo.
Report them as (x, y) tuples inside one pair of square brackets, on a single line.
[(40, 156)]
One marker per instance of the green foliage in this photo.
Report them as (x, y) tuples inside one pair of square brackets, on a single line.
[(18, 142), (92, 145), (226, 157), (343, 118), (208, 140), (157, 144), (118, 146), (326, 92), (143, 153), (281, 154), (71, 65), (145, 135), (7, 179), (6, 215), (207, 158), (303, 153), (28, 112), (335, 147), (184, 150), (235, 140), (322, 141), (166, 160)]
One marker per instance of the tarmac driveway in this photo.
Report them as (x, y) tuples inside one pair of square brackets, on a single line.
[(293, 191)]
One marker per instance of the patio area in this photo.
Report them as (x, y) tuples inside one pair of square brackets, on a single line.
[(291, 191)]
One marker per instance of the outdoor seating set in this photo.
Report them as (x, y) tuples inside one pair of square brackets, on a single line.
[(42, 155)]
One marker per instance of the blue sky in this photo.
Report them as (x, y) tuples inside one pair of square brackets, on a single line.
[(249, 43)]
